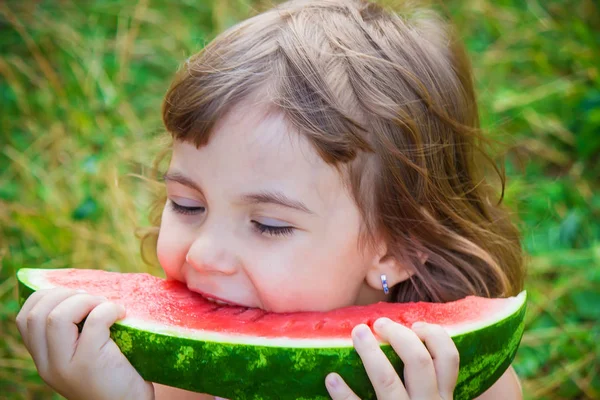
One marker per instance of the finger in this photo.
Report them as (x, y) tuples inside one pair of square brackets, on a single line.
[(62, 332), (33, 299), (419, 372), (36, 324), (338, 389), (446, 359), (96, 331), (21, 319), (382, 374)]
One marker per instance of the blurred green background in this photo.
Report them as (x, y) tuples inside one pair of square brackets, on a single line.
[(81, 85)]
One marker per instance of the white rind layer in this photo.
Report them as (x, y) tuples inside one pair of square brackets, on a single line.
[(38, 281)]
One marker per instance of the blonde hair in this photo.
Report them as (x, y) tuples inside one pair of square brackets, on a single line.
[(388, 99)]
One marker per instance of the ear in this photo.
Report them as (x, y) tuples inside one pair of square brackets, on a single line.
[(395, 269)]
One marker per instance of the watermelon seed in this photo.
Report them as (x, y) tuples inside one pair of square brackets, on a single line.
[(319, 325)]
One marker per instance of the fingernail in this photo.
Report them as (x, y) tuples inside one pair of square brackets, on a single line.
[(419, 325), (362, 332), (381, 323), (333, 381), (80, 291)]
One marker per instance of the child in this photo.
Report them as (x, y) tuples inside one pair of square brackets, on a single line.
[(325, 153)]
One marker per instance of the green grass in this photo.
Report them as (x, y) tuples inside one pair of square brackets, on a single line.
[(81, 85)]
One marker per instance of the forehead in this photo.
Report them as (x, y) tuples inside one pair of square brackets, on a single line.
[(251, 149)]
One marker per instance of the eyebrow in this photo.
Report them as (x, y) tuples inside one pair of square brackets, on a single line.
[(275, 197), (180, 178), (263, 197)]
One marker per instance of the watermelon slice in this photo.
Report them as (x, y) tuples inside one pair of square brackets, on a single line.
[(176, 337)]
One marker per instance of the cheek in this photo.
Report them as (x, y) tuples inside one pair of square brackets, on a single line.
[(171, 248), (311, 277), (338, 268)]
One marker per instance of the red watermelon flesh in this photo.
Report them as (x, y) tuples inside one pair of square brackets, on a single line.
[(170, 303)]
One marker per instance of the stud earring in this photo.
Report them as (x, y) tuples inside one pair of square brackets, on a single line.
[(384, 283)]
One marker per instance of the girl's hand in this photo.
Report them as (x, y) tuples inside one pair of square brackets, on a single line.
[(429, 372), (86, 365)]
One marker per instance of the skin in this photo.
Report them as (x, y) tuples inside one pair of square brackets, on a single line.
[(213, 239), (78, 365), (217, 247)]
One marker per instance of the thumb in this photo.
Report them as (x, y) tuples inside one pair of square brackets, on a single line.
[(96, 331)]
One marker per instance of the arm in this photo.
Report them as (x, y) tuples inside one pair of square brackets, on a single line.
[(162, 392), (507, 387)]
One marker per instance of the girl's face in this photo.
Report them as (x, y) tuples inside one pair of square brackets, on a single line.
[(257, 218)]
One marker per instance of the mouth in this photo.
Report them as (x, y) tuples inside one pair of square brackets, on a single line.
[(216, 300)]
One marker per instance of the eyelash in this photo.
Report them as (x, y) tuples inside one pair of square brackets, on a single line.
[(186, 210), (261, 228), (273, 230)]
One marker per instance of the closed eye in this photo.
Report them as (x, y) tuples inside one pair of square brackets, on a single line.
[(273, 230), (178, 208)]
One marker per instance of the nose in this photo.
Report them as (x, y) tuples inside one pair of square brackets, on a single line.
[(208, 255)]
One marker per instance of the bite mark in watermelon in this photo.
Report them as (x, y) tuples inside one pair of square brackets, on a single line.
[(176, 337)]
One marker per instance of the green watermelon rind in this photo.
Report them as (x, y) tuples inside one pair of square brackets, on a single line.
[(250, 371)]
